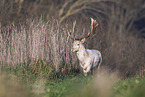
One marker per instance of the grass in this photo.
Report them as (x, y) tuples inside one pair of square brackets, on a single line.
[(66, 87), (132, 87), (38, 85), (37, 61), (44, 84)]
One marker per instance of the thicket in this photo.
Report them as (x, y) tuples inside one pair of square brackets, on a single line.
[(34, 30)]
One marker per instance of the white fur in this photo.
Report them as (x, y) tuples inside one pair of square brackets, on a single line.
[(88, 58)]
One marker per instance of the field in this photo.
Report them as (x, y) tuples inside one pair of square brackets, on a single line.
[(20, 81), (35, 49)]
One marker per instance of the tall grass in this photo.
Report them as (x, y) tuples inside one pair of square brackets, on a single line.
[(123, 47), (41, 46), (36, 40), (40, 40), (117, 37)]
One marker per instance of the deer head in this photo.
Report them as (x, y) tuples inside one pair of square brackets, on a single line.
[(78, 43)]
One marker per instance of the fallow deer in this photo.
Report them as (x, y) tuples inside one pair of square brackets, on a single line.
[(88, 59)]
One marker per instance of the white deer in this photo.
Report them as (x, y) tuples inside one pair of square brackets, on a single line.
[(88, 59)]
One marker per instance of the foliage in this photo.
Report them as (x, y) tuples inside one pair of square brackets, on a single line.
[(40, 67), (132, 87), (12, 87), (102, 84), (119, 37), (36, 52), (36, 39)]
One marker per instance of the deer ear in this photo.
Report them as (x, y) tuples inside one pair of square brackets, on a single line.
[(83, 40)]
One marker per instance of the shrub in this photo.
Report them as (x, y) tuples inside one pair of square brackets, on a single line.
[(40, 67)]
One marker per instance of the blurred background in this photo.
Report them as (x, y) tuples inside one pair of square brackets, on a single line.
[(34, 30)]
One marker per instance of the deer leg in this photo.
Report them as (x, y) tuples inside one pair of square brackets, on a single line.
[(98, 67), (85, 73), (81, 65), (99, 63), (87, 70), (91, 71)]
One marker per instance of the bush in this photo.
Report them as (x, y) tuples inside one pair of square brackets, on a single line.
[(40, 67)]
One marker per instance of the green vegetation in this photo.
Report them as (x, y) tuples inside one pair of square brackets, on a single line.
[(43, 84), (133, 87), (35, 50), (32, 29)]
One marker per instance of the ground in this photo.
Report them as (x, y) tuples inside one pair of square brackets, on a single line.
[(72, 85)]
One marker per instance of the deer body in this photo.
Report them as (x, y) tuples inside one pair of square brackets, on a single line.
[(92, 60), (88, 59)]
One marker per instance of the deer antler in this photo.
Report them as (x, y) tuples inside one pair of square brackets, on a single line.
[(94, 25), (73, 32)]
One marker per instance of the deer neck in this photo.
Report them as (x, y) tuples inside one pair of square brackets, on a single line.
[(82, 53)]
